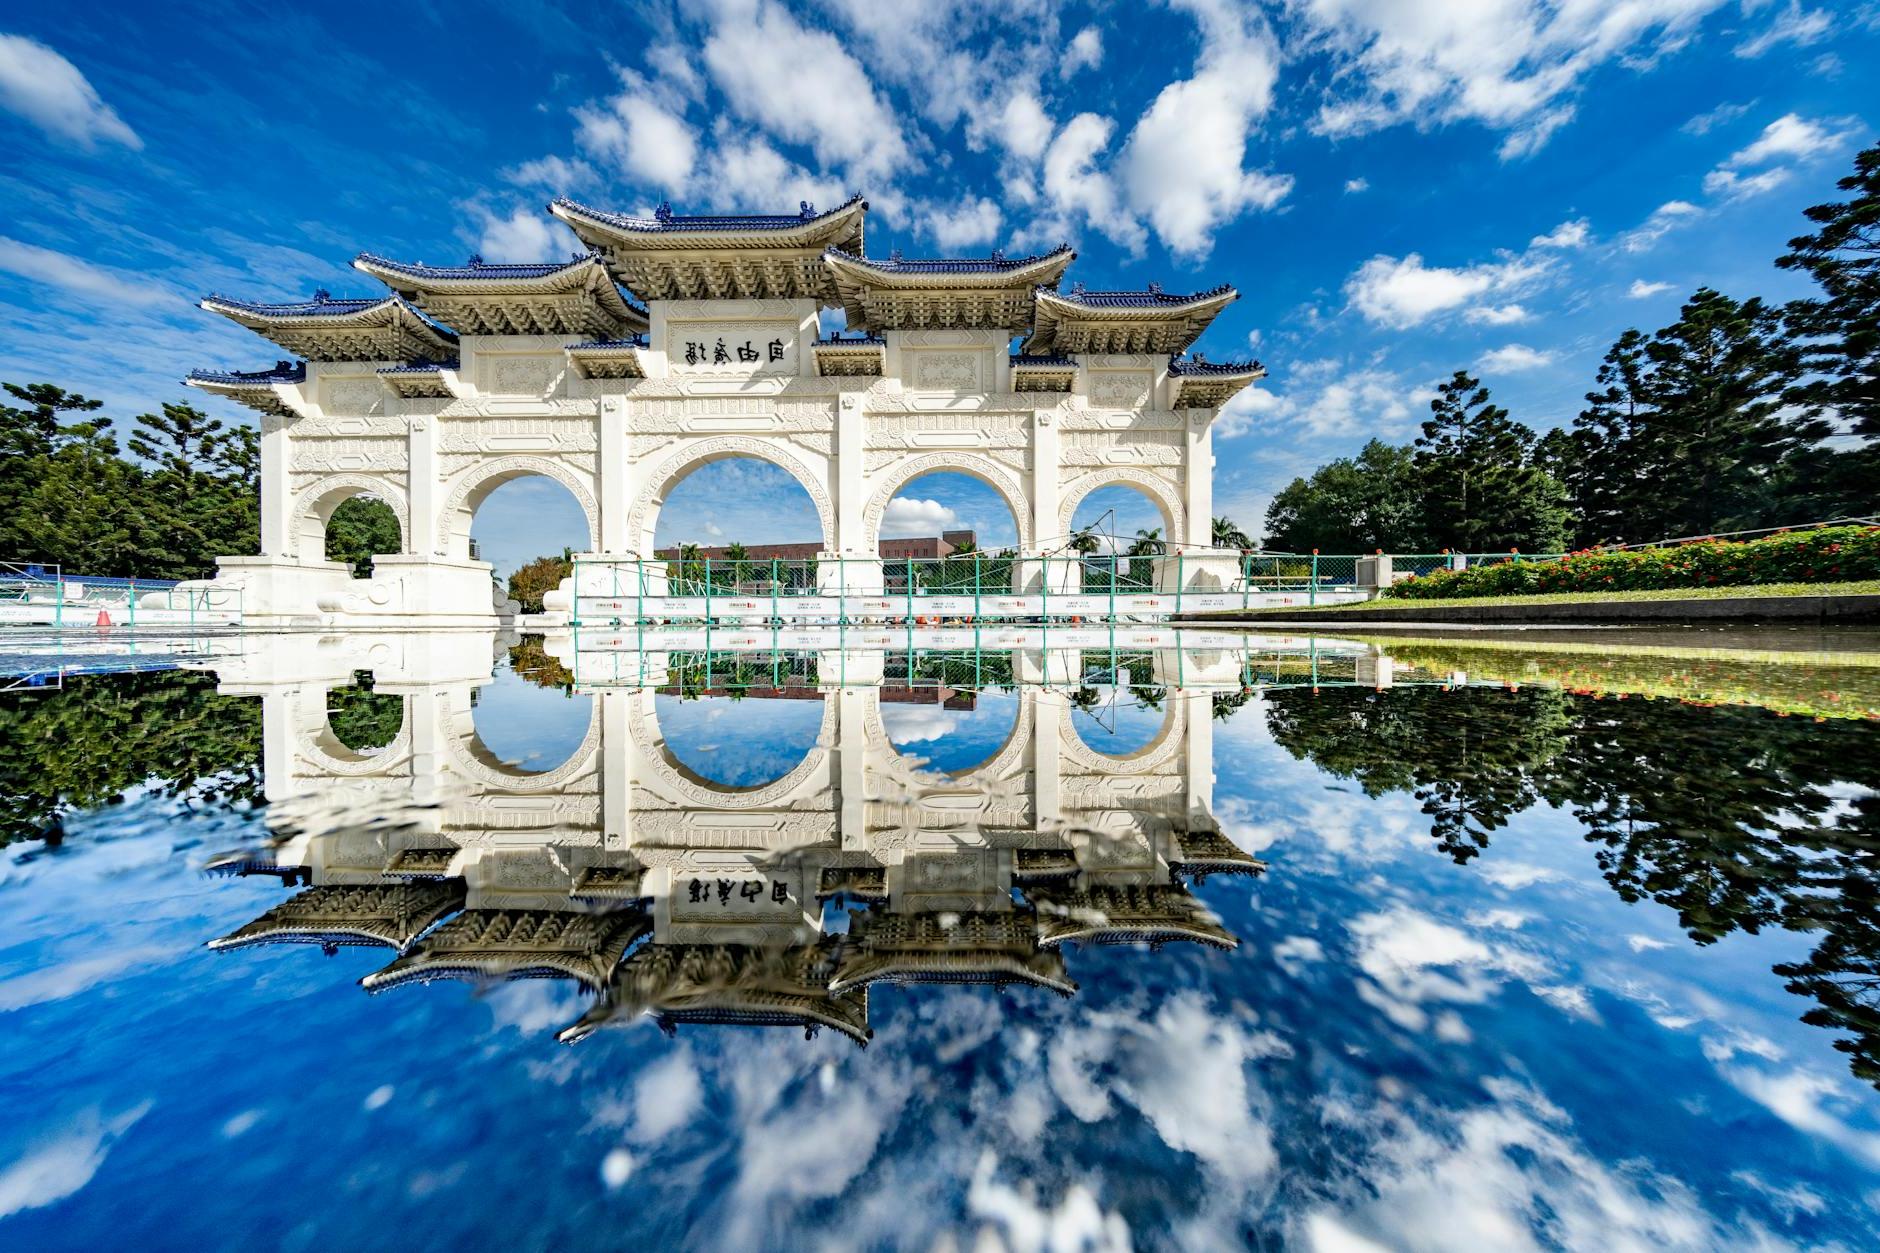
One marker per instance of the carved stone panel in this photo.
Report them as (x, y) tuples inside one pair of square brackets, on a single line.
[(352, 394), (1119, 389), (948, 371), (518, 374)]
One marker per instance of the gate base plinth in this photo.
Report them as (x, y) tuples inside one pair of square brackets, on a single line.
[(404, 592)]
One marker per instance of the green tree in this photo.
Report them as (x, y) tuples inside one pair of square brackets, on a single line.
[(1600, 463), (1351, 505), (1840, 328), (1480, 489), (1228, 535), (361, 527), (535, 579), (740, 558)]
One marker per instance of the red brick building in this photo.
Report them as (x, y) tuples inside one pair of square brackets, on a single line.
[(943, 545)]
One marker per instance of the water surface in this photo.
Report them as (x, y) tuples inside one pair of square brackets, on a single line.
[(1275, 942)]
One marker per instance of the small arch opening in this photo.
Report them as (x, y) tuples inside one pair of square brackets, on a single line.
[(953, 713), (1119, 708), (528, 525), (351, 525), (364, 720), (524, 722), (737, 722)]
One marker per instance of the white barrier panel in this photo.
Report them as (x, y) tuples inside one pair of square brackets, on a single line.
[(602, 609)]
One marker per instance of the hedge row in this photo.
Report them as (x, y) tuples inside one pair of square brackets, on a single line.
[(1830, 555)]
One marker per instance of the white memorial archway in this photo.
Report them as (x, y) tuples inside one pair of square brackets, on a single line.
[(464, 377)]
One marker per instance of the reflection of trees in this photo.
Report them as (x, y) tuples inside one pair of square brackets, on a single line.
[(1470, 756), (361, 718), (102, 735), (1736, 818), (530, 661)]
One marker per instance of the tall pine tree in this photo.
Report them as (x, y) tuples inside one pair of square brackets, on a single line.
[(1481, 490)]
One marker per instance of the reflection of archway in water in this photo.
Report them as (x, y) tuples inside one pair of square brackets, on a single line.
[(1119, 709), (955, 736), (362, 721), (524, 730), (727, 744)]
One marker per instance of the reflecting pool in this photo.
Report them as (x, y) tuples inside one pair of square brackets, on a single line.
[(957, 939)]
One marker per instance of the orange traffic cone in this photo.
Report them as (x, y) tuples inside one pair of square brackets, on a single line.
[(104, 618)]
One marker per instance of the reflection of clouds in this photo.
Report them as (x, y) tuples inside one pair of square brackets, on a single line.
[(739, 743), (1807, 1101), (1508, 1174), (917, 724), (60, 1165), (1075, 1222), (1409, 960)]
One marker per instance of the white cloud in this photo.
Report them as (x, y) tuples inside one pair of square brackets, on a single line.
[(1794, 24), (1641, 290), (1182, 167), (1498, 315), (1665, 218), (973, 220), (1510, 64), (754, 175), (1085, 51), (559, 174), (1076, 1222), (1404, 292), (1355, 185), (1567, 235), (1330, 399), (1512, 358), (1024, 127), (524, 235), (1078, 188), (1801, 1099), (73, 274), (1722, 115), (911, 516), (761, 58), (1788, 141), (649, 142), (50, 92)]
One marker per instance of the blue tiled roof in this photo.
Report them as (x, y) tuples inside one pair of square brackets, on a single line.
[(997, 263), (477, 267), (632, 341), (283, 372), (320, 304), (664, 219), (852, 341), (1190, 367), (1035, 359), (421, 367), (1153, 298)]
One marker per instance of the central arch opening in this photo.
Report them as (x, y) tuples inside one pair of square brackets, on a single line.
[(738, 523), (526, 722), (948, 532), (1121, 531), (528, 524)]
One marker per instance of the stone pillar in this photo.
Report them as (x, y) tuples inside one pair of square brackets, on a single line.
[(1198, 478), (613, 474), (276, 500), (425, 491), (1063, 575), (860, 569)]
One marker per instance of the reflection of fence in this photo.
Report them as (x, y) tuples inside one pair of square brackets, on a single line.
[(33, 594)]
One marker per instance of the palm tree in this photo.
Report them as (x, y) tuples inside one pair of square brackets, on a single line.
[(1227, 535), (691, 566), (1147, 543), (1085, 542), (740, 558)]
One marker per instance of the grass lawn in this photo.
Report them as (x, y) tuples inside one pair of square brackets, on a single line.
[(1369, 608)]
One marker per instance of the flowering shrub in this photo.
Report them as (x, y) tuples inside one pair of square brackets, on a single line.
[(1831, 555)]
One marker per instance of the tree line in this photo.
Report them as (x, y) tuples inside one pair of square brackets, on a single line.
[(186, 493), (1739, 415)]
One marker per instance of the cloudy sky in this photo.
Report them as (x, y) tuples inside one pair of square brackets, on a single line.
[(1397, 187)]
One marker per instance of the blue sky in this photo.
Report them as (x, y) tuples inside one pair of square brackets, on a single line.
[(1397, 187)]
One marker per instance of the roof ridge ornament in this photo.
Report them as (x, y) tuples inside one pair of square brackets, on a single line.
[(805, 210), (1077, 288), (663, 211), (1155, 289), (894, 255), (322, 296), (476, 261), (998, 254)]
